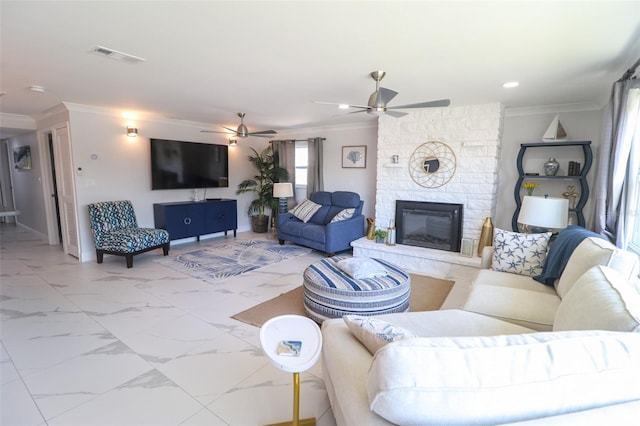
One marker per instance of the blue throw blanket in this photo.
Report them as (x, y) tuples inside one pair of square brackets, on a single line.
[(560, 252)]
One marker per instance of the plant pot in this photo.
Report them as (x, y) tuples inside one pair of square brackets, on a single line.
[(259, 224), (379, 240)]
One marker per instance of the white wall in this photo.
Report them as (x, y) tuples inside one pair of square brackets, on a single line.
[(122, 169), (359, 180)]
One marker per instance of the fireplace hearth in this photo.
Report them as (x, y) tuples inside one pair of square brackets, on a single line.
[(427, 224)]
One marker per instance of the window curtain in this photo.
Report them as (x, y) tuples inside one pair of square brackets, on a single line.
[(285, 153), (315, 177), (617, 176)]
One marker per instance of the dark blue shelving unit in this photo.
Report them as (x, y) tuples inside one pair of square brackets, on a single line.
[(581, 178)]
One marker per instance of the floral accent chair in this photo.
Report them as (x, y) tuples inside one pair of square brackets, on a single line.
[(115, 231)]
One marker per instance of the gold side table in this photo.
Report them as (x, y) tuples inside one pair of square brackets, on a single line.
[(280, 338)]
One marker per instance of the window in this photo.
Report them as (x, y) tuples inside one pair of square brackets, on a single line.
[(302, 164)]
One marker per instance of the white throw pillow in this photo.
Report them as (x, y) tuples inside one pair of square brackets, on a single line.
[(305, 210), (502, 379), (360, 268), (374, 333), (601, 299), (518, 253), (343, 214)]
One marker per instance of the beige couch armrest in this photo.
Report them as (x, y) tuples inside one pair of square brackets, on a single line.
[(487, 257)]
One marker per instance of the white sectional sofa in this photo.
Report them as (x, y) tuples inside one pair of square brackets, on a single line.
[(563, 354)]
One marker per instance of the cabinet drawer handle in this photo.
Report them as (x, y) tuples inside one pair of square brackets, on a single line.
[(187, 220)]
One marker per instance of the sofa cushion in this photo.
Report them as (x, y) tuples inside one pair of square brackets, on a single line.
[(596, 251), (519, 253), (374, 333), (305, 210), (499, 379), (601, 299)]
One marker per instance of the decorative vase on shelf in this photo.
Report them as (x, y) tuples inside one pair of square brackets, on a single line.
[(551, 167)]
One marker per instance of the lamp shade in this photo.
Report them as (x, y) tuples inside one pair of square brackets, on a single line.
[(283, 190), (544, 212)]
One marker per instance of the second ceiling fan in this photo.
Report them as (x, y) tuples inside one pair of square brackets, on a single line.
[(382, 96), (243, 132)]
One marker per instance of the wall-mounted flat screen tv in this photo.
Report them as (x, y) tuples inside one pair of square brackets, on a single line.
[(179, 165)]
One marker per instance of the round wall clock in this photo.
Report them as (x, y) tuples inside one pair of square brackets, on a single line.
[(432, 164)]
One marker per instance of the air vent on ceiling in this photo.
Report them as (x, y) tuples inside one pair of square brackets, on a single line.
[(117, 55)]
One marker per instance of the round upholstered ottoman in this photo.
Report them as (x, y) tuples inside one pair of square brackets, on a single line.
[(331, 293)]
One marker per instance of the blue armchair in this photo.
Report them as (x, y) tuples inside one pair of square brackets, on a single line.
[(320, 232), (115, 231)]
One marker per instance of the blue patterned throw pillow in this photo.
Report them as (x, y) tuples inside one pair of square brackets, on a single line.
[(517, 253), (374, 333)]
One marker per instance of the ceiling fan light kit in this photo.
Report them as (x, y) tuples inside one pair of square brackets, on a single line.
[(379, 99)]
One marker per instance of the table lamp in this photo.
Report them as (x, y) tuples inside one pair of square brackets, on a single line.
[(282, 191), (540, 214)]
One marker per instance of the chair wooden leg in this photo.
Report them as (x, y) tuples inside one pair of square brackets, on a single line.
[(129, 258), (165, 249), (99, 256)]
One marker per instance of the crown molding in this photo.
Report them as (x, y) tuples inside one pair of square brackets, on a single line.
[(552, 109)]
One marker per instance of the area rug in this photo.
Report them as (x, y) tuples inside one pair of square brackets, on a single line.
[(427, 294), (230, 260)]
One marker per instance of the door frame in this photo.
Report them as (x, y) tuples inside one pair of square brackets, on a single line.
[(47, 185)]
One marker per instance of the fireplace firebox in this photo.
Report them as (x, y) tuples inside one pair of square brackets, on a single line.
[(431, 225)]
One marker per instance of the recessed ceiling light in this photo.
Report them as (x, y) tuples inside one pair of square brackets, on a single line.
[(343, 106), (510, 84)]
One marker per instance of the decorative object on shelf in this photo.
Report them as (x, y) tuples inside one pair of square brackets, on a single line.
[(541, 214), (486, 235), (354, 157), (380, 235), (551, 167), (572, 195), (555, 132), (432, 164), (574, 168), (530, 187), (391, 234), (371, 227)]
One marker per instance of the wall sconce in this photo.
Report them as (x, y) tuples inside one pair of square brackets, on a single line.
[(132, 132), (233, 142)]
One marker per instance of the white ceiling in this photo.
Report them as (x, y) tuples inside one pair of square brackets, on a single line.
[(207, 60)]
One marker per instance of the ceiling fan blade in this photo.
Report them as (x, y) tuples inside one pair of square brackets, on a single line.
[(211, 131), (230, 129), (396, 114), (430, 104), (385, 95), (349, 105), (263, 133)]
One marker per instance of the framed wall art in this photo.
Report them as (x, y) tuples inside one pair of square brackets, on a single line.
[(22, 157), (354, 157)]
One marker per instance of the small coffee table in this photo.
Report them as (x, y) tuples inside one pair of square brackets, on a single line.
[(292, 328)]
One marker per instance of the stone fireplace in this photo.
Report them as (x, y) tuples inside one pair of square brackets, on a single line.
[(474, 135)]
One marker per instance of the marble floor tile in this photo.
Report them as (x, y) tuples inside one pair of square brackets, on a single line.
[(89, 344)]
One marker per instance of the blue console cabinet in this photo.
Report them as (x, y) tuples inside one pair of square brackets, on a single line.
[(196, 218)]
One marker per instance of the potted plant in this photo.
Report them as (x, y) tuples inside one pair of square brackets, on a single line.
[(261, 184), (380, 235)]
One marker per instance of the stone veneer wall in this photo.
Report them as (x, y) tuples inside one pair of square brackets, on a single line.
[(474, 133)]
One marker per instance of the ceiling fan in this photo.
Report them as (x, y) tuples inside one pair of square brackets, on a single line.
[(378, 101), (243, 132)]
